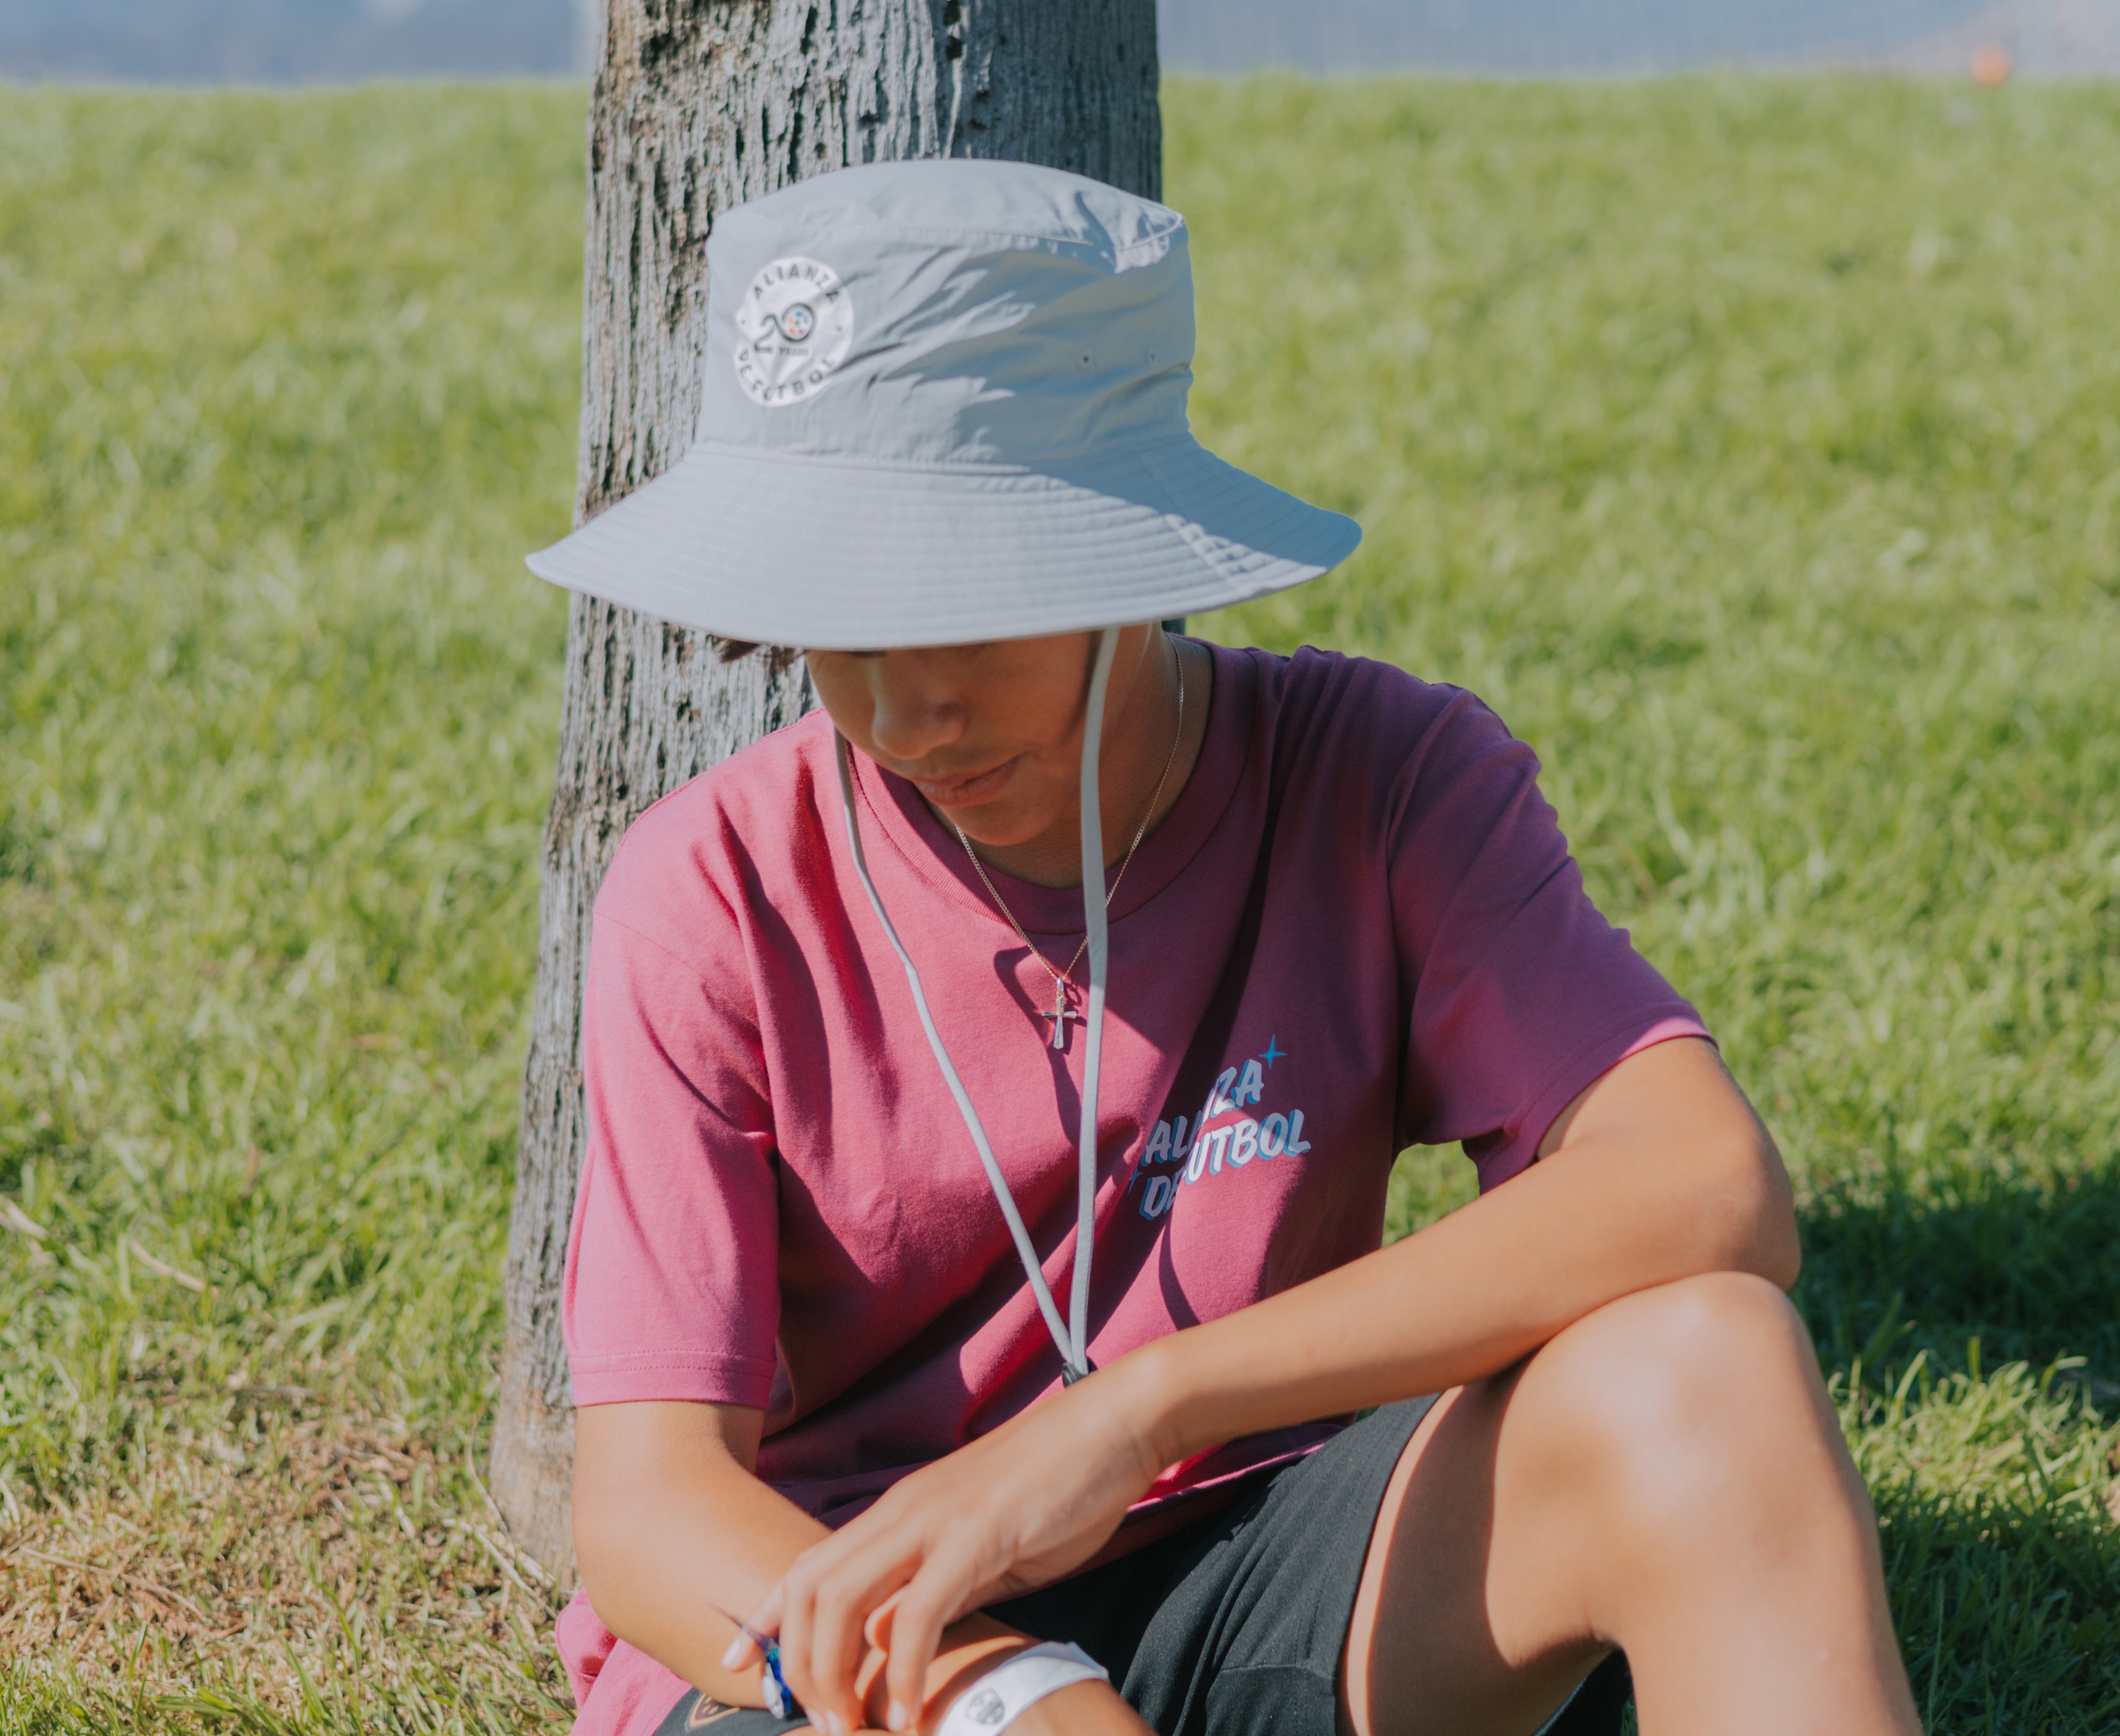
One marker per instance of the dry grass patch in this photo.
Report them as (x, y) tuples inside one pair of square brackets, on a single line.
[(290, 1565)]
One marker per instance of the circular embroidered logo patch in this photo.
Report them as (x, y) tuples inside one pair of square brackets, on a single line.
[(794, 326)]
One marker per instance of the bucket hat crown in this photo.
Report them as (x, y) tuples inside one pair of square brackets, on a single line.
[(943, 402)]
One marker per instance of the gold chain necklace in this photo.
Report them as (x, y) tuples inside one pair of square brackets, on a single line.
[(1061, 1013)]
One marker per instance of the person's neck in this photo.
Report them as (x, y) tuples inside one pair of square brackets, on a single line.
[(1137, 747)]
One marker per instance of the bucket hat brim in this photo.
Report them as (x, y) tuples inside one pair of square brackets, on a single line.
[(833, 554)]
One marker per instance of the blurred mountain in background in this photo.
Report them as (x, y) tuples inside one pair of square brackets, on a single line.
[(305, 41)]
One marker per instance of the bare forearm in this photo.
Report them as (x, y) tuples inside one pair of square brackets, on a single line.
[(671, 1528), (1472, 1293)]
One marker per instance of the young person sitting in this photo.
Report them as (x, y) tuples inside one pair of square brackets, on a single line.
[(993, 1082)]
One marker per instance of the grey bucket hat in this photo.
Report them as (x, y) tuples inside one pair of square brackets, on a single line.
[(943, 402)]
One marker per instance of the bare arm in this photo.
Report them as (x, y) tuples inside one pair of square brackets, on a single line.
[(671, 1526), (669, 1523), (1659, 1171)]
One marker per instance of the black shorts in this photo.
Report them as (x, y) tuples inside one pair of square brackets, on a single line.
[(1230, 1627)]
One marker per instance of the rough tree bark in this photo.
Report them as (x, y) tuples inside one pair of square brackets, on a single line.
[(700, 105)]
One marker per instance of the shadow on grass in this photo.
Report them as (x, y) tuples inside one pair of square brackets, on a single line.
[(2026, 1263), (2008, 1618), (1991, 1482)]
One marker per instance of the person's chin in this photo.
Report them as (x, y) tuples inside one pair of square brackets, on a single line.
[(1001, 824), (996, 826)]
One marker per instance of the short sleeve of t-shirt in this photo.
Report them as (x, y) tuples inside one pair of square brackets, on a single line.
[(675, 1218), (1520, 993)]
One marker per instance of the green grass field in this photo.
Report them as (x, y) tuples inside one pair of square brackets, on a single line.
[(1754, 446)]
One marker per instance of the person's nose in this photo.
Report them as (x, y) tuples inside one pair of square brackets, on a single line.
[(912, 721)]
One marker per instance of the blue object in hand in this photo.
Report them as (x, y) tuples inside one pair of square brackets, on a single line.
[(778, 1701)]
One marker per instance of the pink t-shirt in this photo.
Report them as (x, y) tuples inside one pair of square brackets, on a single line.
[(1359, 928)]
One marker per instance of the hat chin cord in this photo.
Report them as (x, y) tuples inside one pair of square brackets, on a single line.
[(1071, 1335)]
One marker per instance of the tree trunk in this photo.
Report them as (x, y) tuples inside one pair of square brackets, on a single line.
[(700, 105)]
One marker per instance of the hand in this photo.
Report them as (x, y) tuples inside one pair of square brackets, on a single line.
[(1017, 1509)]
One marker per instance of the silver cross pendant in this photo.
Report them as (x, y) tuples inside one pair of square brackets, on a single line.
[(1060, 1014)]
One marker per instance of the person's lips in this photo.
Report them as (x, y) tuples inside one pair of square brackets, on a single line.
[(967, 791)]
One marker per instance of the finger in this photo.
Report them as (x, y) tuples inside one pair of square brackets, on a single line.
[(791, 1596), (852, 1613), (835, 1645), (741, 1654), (765, 1616), (877, 1629), (763, 1619), (928, 1605), (829, 1591)]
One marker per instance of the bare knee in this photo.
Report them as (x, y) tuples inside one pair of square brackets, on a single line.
[(1693, 1404), (1679, 1355)]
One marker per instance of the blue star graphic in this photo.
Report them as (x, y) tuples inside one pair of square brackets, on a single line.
[(1273, 1054)]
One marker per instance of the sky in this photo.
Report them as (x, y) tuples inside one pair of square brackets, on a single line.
[(297, 41)]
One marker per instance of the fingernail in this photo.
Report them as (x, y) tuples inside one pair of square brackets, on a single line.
[(897, 1717), (732, 1658), (835, 1724)]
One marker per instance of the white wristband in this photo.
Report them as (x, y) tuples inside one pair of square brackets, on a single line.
[(998, 1698)]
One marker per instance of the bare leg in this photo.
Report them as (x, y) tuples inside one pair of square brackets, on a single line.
[(1667, 1475)]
